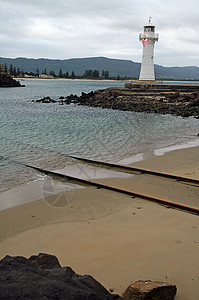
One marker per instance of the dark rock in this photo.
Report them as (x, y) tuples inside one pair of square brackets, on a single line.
[(73, 96), (46, 100), (42, 277), (71, 99), (196, 94), (150, 290), (7, 81), (84, 95), (180, 101), (173, 95), (128, 85), (45, 261), (194, 102), (189, 96), (185, 114)]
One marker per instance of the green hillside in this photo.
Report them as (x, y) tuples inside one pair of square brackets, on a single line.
[(115, 67)]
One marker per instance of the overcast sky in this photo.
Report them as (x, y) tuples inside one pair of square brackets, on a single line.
[(62, 29)]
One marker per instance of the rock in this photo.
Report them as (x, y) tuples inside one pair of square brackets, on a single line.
[(173, 95), (46, 100), (189, 96), (7, 81), (150, 290), (45, 261), (67, 101), (42, 277), (84, 95), (72, 97), (194, 103), (175, 100), (128, 85)]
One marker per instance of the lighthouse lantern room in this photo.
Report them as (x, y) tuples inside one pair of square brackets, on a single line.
[(148, 39)]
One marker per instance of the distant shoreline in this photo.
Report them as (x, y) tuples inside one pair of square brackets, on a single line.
[(107, 80), (69, 79)]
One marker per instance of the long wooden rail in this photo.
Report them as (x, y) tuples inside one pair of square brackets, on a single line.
[(133, 170), (115, 189)]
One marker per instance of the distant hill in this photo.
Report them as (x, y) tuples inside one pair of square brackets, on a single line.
[(114, 66)]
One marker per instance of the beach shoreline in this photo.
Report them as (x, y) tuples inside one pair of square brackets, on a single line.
[(21, 191), (70, 79), (93, 228)]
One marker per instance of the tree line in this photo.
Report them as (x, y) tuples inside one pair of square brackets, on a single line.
[(88, 74), (13, 71)]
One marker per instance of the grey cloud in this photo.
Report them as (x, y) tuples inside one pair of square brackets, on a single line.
[(79, 28)]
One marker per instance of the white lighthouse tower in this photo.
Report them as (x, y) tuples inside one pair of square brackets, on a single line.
[(148, 39)]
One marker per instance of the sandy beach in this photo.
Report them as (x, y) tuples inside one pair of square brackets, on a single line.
[(113, 237)]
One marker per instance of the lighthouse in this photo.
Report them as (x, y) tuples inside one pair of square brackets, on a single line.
[(148, 39)]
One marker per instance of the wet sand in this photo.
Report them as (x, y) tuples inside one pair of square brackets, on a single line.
[(113, 237)]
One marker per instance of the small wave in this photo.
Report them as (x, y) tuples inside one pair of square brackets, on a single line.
[(162, 151)]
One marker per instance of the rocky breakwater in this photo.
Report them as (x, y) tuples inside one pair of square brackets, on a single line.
[(181, 103), (8, 81), (163, 99)]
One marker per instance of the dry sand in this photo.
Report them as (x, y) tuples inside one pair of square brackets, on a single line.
[(113, 237)]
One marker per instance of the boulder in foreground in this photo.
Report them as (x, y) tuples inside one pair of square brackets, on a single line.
[(150, 290), (42, 277)]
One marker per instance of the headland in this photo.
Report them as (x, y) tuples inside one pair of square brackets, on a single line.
[(7, 81)]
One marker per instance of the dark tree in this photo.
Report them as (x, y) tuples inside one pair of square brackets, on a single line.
[(60, 73), (15, 72), (18, 72), (5, 68), (44, 72), (73, 74), (37, 72), (88, 74), (95, 74), (11, 70), (106, 74), (52, 73)]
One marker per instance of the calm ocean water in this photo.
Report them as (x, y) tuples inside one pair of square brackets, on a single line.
[(43, 134)]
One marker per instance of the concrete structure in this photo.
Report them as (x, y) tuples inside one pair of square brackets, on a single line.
[(45, 76), (148, 39)]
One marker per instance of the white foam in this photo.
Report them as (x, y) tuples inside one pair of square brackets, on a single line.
[(162, 151), (132, 159)]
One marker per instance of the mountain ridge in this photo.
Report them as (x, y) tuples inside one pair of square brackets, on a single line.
[(115, 67)]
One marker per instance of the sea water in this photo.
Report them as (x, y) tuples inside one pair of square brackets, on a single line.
[(44, 135)]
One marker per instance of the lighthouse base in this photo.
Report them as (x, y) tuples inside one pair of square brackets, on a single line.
[(146, 81)]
